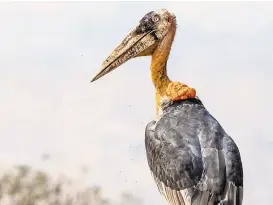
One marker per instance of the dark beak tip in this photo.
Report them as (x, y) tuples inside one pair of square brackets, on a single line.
[(94, 79)]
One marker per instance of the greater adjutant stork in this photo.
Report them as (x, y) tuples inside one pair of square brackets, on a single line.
[(192, 159)]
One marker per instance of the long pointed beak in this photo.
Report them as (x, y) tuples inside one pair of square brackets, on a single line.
[(133, 45)]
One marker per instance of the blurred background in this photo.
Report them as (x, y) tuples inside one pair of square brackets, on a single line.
[(64, 140)]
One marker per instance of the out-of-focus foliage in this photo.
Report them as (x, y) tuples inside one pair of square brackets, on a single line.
[(22, 185)]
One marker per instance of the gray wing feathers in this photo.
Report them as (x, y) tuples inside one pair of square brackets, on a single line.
[(233, 195), (192, 159)]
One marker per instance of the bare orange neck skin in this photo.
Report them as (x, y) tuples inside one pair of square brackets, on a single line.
[(163, 85)]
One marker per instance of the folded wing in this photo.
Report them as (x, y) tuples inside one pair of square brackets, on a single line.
[(192, 159)]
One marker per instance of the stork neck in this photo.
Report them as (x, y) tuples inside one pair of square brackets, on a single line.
[(159, 64)]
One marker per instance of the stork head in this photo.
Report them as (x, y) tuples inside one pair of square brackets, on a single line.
[(141, 41)]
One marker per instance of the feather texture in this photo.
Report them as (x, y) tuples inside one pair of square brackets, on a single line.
[(192, 159)]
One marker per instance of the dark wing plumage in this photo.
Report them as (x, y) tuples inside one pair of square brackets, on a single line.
[(192, 159)]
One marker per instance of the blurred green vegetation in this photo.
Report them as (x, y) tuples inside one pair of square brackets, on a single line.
[(23, 185)]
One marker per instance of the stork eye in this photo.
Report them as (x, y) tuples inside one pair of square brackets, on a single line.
[(156, 18)]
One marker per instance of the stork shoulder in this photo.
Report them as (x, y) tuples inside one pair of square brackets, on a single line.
[(188, 150)]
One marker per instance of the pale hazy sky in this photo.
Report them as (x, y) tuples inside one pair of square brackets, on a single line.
[(50, 51)]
